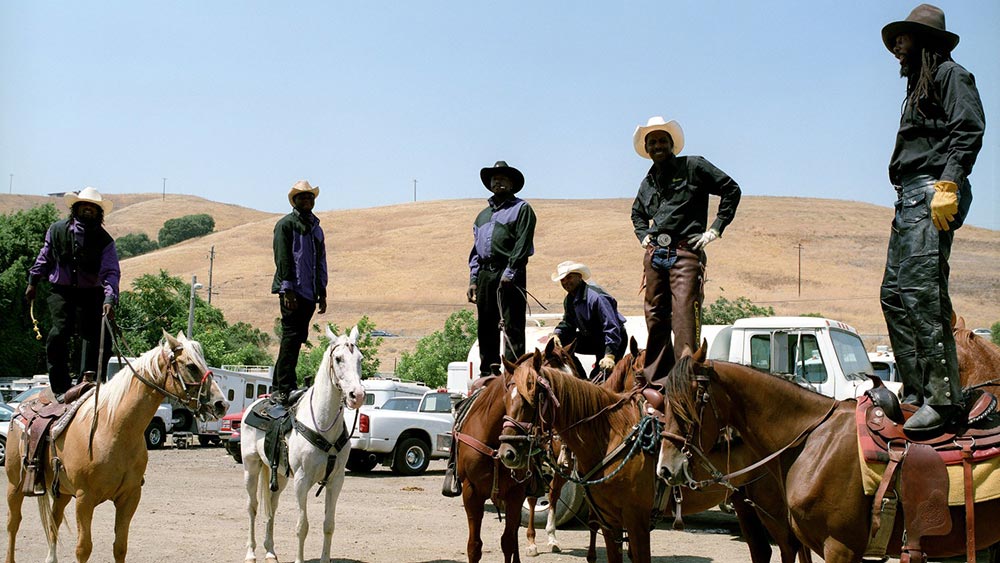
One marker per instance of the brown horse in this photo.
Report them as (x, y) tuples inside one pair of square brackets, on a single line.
[(477, 466), (113, 469), (821, 478), (978, 358)]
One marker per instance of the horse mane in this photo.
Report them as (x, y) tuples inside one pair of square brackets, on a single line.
[(114, 390), (677, 388), (575, 395), (618, 378)]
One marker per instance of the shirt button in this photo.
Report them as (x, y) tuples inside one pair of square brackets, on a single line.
[(940, 345), (946, 380), (948, 394), (943, 362)]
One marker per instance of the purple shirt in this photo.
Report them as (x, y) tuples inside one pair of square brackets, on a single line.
[(48, 264)]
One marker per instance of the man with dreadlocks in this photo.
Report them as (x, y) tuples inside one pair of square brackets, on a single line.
[(80, 261), (940, 134)]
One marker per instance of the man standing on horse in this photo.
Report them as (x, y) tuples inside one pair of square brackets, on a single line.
[(590, 318), (670, 216), (300, 282), (940, 134), (503, 240), (80, 260)]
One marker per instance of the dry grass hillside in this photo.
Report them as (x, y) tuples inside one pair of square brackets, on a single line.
[(405, 266)]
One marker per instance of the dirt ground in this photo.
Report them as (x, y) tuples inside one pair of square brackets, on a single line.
[(193, 509)]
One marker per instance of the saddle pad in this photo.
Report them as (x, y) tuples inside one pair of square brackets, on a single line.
[(985, 479)]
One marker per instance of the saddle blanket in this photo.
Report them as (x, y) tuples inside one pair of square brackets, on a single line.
[(985, 479)]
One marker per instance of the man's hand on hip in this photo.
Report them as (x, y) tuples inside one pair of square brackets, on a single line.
[(109, 311), (470, 294), (944, 206), (29, 293), (289, 300), (699, 242), (322, 305)]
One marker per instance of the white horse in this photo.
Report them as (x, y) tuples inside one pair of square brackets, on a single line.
[(320, 410)]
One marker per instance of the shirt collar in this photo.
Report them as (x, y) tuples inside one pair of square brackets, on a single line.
[(505, 203), (309, 218)]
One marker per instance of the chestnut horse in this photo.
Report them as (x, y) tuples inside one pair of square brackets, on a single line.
[(821, 477), (480, 472), (978, 358), (113, 468), (593, 422)]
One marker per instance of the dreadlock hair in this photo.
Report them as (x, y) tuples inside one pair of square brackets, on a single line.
[(920, 93)]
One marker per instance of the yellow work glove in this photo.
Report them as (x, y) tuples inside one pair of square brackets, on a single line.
[(607, 363), (944, 206)]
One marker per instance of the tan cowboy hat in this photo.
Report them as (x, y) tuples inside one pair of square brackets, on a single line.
[(88, 195), (501, 167), (925, 20), (301, 187), (568, 267), (657, 123)]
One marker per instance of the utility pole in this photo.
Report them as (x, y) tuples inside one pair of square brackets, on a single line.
[(164, 189), (10, 189), (799, 246), (194, 287), (414, 189), (211, 262)]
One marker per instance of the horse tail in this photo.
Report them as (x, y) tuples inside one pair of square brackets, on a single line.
[(264, 490), (47, 517)]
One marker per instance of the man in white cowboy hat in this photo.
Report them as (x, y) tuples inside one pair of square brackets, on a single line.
[(940, 134), (503, 239), (80, 260), (670, 216), (590, 318), (300, 281)]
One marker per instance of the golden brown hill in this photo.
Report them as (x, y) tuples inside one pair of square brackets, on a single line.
[(405, 266)]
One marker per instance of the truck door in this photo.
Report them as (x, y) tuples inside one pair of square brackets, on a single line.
[(796, 355)]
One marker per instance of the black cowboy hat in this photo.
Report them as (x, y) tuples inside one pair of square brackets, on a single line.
[(486, 174), (925, 20)]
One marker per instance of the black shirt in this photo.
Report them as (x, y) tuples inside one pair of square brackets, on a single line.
[(943, 140), (676, 199)]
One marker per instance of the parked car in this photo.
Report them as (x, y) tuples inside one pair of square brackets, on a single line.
[(409, 404), (383, 333), (25, 395), (229, 432), (6, 413), (984, 332)]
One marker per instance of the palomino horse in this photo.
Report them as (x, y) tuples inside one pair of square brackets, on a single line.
[(821, 477), (321, 411), (113, 468), (478, 468)]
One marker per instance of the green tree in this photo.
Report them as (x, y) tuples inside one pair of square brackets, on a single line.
[(725, 312), (995, 333), (311, 356), (134, 244), (429, 362), (21, 236), (186, 227)]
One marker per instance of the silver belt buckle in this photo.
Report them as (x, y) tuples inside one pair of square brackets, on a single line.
[(663, 240)]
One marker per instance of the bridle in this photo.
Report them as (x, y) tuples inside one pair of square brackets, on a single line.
[(193, 394), (335, 381)]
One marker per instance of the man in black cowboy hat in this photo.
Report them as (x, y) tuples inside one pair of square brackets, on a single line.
[(503, 240), (670, 216), (940, 134), (80, 261)]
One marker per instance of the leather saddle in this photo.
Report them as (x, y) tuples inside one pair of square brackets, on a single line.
[(276, 421), (40, 417)]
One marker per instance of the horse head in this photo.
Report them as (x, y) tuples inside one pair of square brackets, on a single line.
[(694, 420), (188, 379), (521, 426), (562, 357), (342, 366)]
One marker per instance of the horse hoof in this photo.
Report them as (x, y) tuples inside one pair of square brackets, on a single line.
[(271, 559), (532, 551), (556, 548)]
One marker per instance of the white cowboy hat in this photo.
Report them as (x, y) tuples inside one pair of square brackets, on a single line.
[(657, 123), (301, 187), (88, 195), (568, 267)]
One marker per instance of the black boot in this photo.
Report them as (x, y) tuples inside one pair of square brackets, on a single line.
[(932, 419), (452, 486)]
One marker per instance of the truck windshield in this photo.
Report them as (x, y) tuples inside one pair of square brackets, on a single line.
[(851, 354)]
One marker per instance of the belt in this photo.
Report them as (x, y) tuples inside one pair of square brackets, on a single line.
[(493, 265), (681, 243), (916, 182)]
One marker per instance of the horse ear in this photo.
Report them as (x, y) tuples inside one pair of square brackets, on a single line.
[(508, 366), (569, 348), (172, 342), (957, 323), (633, 346), (181, 336), (329, 332), (550, 347), (702, 352), (354, 334)]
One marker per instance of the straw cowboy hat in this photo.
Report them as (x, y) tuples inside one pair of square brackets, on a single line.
[(88, 195), (924, 20), (657, 123), (568, 267), (501, 167), (301, 187)]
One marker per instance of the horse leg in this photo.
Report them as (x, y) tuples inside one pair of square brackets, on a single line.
[(302, 524), (270, 511), (532, 549), (753, 530), (592, 548), (613, 545), (333, 489), (251, 480), (14, 501), (474, 509), (84, 518), (555, 490), (124, 511), (508, 540)]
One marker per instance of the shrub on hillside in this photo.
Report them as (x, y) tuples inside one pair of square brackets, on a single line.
[(134, 244), (186, 227), (995, 333)]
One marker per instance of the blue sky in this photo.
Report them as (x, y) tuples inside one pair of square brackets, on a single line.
[(234, 101)]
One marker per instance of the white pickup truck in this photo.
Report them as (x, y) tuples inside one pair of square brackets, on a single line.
[(404, 440)]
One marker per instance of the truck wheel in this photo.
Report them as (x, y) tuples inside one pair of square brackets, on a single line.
[(3, 450), (156, 435), (182, 421), (361, 462), (571, 504), (411, 458)]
